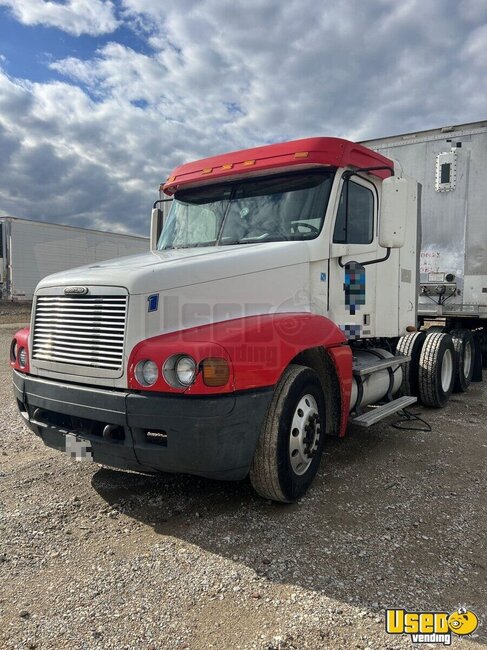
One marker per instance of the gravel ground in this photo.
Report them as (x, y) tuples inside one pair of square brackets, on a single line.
[(14, 312), (95, 558)]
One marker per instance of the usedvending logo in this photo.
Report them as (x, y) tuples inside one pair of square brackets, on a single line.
[(431, 627)]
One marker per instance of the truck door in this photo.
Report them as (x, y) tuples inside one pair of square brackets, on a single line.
[(352, 282)]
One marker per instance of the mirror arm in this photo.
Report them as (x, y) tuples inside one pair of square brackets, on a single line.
[(156, 226), (156, 203), (382, 259)]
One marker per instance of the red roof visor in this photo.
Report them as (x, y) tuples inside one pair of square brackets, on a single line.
[(308, 152)]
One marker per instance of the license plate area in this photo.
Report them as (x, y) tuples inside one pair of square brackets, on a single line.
[(78, 449)]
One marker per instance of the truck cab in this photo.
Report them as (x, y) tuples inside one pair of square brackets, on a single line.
[(266, 316)]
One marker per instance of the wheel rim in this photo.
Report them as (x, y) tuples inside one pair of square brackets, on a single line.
[(467, 359), (446, 371), (304, 435)]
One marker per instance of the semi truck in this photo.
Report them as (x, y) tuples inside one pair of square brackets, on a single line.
[(278, 305), (30, 250)]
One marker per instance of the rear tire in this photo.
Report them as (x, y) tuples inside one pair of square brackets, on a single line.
[(465, 350), (290, 446), (410, 345), (436, 374)]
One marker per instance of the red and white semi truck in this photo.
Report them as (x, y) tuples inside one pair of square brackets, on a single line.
[(278, 304)]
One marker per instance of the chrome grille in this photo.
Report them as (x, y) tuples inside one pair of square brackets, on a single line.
[(80, 330)]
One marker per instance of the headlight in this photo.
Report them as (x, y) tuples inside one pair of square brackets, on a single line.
[(185, 370), (146, 372), (180, 370), (23, 358)]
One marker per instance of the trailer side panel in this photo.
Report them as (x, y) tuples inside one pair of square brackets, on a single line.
[(450, 164), (36, 249)]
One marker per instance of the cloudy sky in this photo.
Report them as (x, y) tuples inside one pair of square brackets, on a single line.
[(99, 100)]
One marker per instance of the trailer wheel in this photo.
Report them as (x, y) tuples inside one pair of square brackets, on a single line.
[(436, 374), (410, 345), (291, 442), (465, 350)]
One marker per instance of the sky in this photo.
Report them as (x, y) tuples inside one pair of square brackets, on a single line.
[(100, 99)]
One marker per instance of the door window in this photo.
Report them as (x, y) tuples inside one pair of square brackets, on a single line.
[(355, 216)]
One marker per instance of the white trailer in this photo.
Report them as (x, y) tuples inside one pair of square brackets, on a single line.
[(450, 163), (30, 250)]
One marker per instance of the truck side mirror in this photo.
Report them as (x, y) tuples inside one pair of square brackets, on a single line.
[(393, 212), (155, 227)]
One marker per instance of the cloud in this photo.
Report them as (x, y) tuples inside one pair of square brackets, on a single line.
[(92, 146), (298, 68), (51, 166), (74, 16)]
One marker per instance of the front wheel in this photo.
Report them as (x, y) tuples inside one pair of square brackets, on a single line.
[(290, 446)]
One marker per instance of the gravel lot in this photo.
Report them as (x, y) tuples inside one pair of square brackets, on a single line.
[(95, 558)]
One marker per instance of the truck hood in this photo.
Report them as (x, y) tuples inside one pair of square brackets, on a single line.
[(169, 269)]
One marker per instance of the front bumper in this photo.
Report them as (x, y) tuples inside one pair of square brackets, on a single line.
[(211, 436)]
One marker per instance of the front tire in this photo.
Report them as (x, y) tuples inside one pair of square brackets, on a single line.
[(291, 442)]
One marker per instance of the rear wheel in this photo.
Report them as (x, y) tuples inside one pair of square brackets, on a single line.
[(411, 346), (464, 349), (290, 446), (436, 370)]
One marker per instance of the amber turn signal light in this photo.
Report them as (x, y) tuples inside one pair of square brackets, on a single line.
[(216, 371)]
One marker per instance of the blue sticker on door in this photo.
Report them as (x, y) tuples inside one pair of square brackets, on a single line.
[(354, 286)]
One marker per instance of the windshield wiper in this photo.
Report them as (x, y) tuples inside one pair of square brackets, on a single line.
[(195, 245), (237, 242)]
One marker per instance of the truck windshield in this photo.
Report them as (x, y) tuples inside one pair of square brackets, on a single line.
[(288, 207)]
